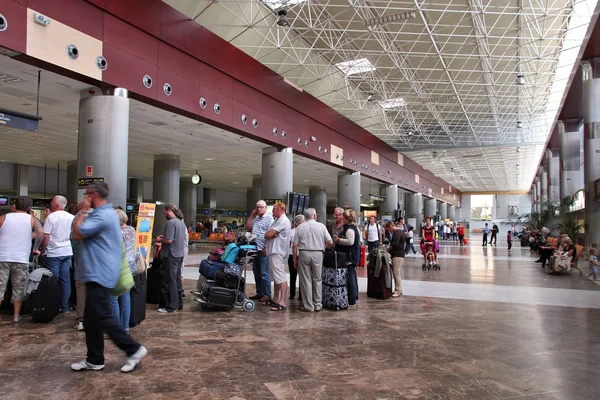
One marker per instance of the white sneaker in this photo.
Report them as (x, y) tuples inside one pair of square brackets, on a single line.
[(84, 365), (162, 310), (135, 359), (79, 326)]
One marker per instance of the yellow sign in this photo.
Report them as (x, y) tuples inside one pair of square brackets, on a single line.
[(143, 232)]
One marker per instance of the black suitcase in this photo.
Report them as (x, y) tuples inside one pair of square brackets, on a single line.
[(153, 283), (217, 295), (138, 300), (229, 281), (45, 301)]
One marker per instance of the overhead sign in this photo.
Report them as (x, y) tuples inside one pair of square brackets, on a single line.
[(143, 231), (19, 120), (83, 182)]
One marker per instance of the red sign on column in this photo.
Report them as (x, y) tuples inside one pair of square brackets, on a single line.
[(89, 170)]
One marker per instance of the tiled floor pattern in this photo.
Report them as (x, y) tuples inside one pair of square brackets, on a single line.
[(487, 326)]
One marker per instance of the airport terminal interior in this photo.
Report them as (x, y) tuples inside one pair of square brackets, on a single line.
[(478, 115)]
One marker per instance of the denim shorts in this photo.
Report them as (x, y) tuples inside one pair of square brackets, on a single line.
[(593, 269)]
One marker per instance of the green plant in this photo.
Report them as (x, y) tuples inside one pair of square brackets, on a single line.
[(566, 222)]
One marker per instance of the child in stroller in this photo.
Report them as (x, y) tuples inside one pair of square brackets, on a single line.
[(430, 256)]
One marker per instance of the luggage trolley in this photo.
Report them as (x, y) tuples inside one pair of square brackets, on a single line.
[(225, 291)]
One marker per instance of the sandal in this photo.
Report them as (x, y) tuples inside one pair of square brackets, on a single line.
[(269, 303), (278, 307)]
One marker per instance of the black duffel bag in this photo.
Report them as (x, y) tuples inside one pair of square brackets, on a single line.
[(334, 259)]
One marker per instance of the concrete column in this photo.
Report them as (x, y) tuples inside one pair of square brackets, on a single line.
[(429, 208), (165, 186), (538, 195), (533, 198), (452, 213), (443, 210), (591, 117), (553, 170), (277, 173), (348, 191), (72, 175), (256, 191), (210, 197), (318, 200), (570, 133), (414, 210), (249, 200), (103, 142), (544, 185), (136, 190), (402, 199), (22, 179), (188, 200), (390, 204)]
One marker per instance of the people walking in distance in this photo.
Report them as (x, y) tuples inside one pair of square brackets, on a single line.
[(485, 231)]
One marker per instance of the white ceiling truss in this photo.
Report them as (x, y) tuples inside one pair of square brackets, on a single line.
[(454, 64)]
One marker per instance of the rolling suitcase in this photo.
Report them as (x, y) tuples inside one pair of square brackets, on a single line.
[(376, 285), (335, 283), (45, 301), (138, 300), (208, 268)]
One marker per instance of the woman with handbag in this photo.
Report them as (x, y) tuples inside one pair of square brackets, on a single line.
[(349, 242), (121, 305)]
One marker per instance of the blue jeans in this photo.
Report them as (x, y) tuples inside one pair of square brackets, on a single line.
[(352, 285), (60, 267), (121, 309), (372, 246), (261, 275)]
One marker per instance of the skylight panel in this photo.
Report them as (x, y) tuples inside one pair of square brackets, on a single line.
[(354, 67), (392, 103), (275, 4)]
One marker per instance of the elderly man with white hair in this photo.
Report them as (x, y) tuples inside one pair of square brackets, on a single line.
[(57, 244), (259, 223), (310, 241)]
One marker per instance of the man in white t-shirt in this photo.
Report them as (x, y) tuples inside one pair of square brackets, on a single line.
[(57, 244), (278, 248), (373, 233)]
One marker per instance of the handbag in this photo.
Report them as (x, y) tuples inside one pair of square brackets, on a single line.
[(125, 282), (140, 262)]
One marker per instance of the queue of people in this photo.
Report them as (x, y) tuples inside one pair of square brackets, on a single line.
[(87, 238)]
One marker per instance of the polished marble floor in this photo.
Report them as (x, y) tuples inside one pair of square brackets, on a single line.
[(489, 325)]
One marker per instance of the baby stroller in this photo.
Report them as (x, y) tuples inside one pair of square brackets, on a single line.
[(222, 285), (430, 256)]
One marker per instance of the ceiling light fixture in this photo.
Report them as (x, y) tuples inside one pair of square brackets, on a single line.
[(520, 81), (519, 124), (282, 20), (388, 19)]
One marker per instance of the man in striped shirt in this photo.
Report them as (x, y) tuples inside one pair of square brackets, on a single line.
[(259, 223)]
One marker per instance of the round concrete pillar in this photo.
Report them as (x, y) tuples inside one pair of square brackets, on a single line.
[(429, 208), (72, 176), (390, 204), (414, 211), (165, 186), (103, 142), (277, 173), (318, 200), (348, 191), (443, 210), (591, 147), (188, 200), (451, 213)]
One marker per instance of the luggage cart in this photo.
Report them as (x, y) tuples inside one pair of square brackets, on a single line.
[(211, 293)]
